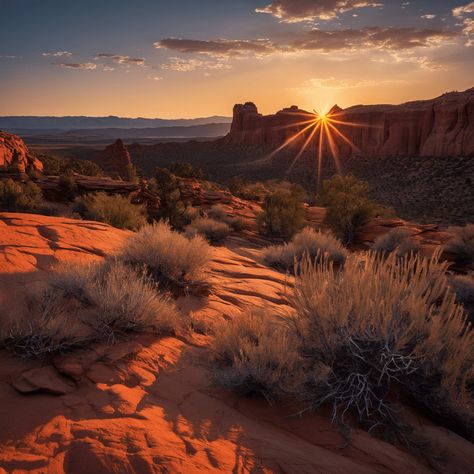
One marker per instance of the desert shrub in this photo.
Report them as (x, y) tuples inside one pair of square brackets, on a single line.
[(381, 324), (364, 335), (168, 255), (347, 206), (16, 197), (463, 286), (121, 299), (190, 214), (219, 213), (68, 186), (250, 191), (254, 353), (115, 210), (213, 230), (310, 243), (186, 170), (49, 328), (461, 244), (283, 214), (172, 207), (55, 166), (397, 239)]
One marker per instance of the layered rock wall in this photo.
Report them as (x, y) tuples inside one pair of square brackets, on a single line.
[(439, 127)]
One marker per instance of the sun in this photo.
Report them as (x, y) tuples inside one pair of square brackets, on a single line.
[(320, 128)]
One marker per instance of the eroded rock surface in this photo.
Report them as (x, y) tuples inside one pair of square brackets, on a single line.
[(149, 405)]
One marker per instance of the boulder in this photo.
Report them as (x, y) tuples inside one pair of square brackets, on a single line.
[(15, 155)]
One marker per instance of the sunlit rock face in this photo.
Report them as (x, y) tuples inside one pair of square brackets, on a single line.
[(15, 155), (439, 127)]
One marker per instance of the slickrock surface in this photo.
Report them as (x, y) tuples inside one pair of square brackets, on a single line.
[(148, 405), (15, 156)]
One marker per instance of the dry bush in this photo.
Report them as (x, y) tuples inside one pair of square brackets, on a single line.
[(463, 286), (309, 242), (124, 300), (115, 210), (384, 323), (397, 240), (254, 353), (168, 255), (213, 230), (461, 244), (361, 336), (49, 328)]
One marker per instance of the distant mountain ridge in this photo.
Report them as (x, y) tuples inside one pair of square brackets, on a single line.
[(13, 123)]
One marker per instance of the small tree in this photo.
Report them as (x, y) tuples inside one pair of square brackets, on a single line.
[(347, 206), (172, 207), (283, 214)]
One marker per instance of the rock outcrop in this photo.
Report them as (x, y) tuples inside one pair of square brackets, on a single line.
[(115, 160), (148, 405), (15, 155), (439, 127)]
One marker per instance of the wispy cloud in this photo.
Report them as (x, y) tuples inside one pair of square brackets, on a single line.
[(428, 16), (466, 15), (9, 56), (339, 84), (294, 11), (58, 54), (121, 59), (380, 38), (186, 65), (219, 47), (83, 66)]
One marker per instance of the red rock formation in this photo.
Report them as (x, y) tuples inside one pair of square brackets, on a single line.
[(439, 127), (15, 156), (115, 160)]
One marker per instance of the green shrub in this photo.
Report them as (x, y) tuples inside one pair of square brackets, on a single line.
[(213, 230), (172, 207), (310, 243), (55, 166), (16, 197), (461, 244), (68, 186), (347, 206), (397, 240), (186, 170), (168, 255), (115, 210), (283, 214)]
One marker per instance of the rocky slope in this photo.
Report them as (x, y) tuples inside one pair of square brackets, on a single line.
[(439, 127), (15, 156), (149, 405)]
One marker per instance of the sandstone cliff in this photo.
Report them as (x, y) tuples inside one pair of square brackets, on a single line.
[(15, 156), (439, 127), (115, 160)]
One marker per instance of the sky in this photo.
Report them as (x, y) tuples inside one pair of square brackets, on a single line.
[(196, 58)]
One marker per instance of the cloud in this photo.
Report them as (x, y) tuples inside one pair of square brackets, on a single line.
[(467, 23), (155, 78), (428, 16), (186, 65), (59, 54), (338, 84), (294, 11), (462, 11), (108, 69), (9, 56), (84, 66), (121, 59), (380, 38), (219, 47)]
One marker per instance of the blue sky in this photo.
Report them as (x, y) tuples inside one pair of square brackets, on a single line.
[(189, 58)]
